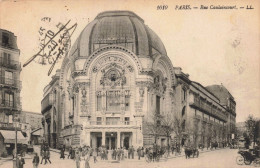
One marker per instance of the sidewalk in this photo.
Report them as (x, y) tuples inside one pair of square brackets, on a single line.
[(10, 158), (142, 158), (200, 151)]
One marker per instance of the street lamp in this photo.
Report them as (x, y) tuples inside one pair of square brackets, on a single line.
[(16, 125)]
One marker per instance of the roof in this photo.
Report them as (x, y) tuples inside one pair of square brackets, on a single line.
[(37, 132), (122, 28), (221, 92), (9, 136), (12, 44)]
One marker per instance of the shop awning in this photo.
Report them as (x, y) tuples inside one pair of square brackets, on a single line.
[(9, 137)]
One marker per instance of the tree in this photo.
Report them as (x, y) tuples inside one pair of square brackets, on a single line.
[(153, 126), (252, 129), (167, 125)]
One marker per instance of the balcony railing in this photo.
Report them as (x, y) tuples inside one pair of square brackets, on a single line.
[(10, 104), (8, 126), (10, 64), (10, 82), (112, 123), (47, 102)]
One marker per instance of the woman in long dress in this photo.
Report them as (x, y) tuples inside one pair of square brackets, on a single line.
[(87, 157)]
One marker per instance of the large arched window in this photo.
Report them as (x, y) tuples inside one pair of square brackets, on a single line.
[(183, 111), (113, 93)]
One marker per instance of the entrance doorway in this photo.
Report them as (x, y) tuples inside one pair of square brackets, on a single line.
[(111, 140), (99, 141), (126, 142), (113, 143)]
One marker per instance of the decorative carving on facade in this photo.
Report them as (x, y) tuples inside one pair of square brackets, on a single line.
[(78, 73), (75, 89), (160, 85), (95, 69), (141, 92), (113, 47), (69, 89), (84, 92), (83, 104), (112, 77), (130, 68), (147, 84)]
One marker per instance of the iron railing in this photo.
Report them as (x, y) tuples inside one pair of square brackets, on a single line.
[(10, 104), (10, 63), (10, 82), (112, 123)]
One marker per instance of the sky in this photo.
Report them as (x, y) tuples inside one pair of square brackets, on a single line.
[(214, 46)]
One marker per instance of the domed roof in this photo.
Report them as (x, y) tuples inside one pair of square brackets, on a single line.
[(123, 28)]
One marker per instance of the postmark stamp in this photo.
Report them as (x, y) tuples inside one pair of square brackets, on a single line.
[(54, 43)]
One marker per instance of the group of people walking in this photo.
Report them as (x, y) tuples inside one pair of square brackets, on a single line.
[(45, 153)]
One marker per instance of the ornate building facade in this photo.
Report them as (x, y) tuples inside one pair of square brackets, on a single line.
[(10, 85), (115, 78)]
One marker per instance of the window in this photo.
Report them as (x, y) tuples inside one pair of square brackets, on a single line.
[(73, 105), (7, 59), (5, 38), (9, 78), (127, 120), (6, 118), (10, 119), (158, 102), (112, 120), (99, 102), (54, 126), (9, 99), (127, 103), (99, 120), (183, 95), (1, 98), (183, 111), (113, 101)]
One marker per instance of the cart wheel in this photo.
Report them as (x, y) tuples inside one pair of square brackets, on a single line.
[(247, 162), (240, 160)]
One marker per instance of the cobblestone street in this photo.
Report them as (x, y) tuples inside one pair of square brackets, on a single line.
[(222, 158)]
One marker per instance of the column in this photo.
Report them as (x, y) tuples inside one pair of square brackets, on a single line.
[(134, 139), (122, 140), (118, 139), (103, 138), (131, 140), (88, 138)]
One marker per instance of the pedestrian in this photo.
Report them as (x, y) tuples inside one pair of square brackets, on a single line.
[(118, 154), (129, 152), (106, 153), (47, 157), (139, 152), (114, 154), (132, 151), (42, 155), (123, 153), (77, 159), (36, 161), (70, 152), (21, 161), (87, 160), (62, 153), (95, 155)]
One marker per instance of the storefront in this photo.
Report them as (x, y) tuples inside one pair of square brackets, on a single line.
[(7, 141)]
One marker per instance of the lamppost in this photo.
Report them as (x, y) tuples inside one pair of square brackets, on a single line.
[(16, 125)]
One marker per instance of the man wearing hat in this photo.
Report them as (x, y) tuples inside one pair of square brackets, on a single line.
[(36, 161), (21, 161)]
